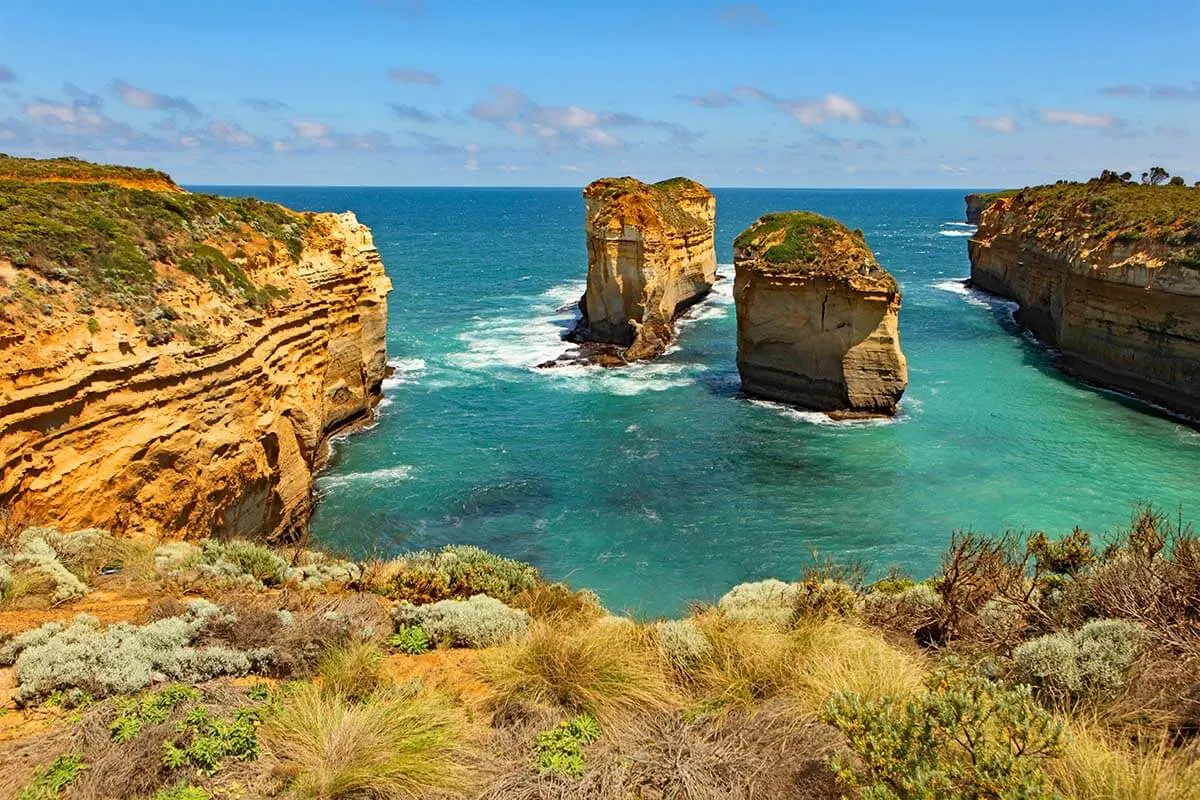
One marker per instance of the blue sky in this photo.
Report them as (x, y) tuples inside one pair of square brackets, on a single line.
[(445, 92)]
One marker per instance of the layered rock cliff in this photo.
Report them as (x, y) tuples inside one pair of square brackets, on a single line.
[(1109, 274), (650, 256), (976, 203), (173, 363), (817, 317)]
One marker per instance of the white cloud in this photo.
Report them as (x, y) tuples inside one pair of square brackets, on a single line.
[(75, 116), (1078, 119), (830, 108), (994, 124), (310, 129), (230, 133), (136, 97)]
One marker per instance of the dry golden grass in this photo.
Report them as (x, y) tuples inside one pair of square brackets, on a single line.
[(752, 661), (608, 669), (354, 671), (392, 745), (561, 603), (1094, 768)]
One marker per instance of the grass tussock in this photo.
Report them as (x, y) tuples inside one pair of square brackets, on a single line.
[(609, 670), (354, 671), (1093, 767), (390, 745)]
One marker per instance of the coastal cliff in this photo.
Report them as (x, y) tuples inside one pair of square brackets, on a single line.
[(817, 317), (650, 256), (1107, 273), (976, 203), (174, 363)]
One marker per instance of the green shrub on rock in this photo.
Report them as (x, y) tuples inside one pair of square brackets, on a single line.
[(410, 639), (965, 738), (559, 751), (481, 621)]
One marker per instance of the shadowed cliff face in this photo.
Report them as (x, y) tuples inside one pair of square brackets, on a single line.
[(197, 401), (1109, 274), (818, 319), (650, 256)]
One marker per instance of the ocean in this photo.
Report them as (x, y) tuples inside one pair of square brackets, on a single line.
[(659, 484)]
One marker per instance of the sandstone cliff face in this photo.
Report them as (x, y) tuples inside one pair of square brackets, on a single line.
[(650, 256), (817, 317), (199, 404), (1109, 275), (976, 203)]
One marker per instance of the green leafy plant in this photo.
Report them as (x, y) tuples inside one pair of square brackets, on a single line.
[(182, 791), (964, 738), (49, 782), (410, 639), (204, 742), (560, 749), (153, 708)]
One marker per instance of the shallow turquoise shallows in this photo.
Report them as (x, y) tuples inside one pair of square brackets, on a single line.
[(659, 484)]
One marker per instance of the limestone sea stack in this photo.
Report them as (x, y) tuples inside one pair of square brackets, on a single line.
[(817, 317), (172, 363), (1109, 274), (650, 256)]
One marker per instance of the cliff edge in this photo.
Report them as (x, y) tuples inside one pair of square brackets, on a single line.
[(1109, 274), (817, 317), (173, 363), (650, 256)]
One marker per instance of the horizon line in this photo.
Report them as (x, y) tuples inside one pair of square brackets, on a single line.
[(580, 187)]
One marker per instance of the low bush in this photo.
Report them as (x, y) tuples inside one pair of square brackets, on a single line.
[(481, 621), (606, 670), (182, 791), (392, 745), (559, 751), (203, 742), (454, 572), (560, 602), (1092, 662), (770, 601), (964, 738), (683, 643), (121, 658), (35, 553)]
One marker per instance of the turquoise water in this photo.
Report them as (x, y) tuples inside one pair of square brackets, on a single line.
[(658, 484)]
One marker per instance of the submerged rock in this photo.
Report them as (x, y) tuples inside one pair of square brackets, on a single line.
[(817, 317), (650, 256)]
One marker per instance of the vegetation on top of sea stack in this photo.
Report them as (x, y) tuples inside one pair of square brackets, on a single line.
[(669, 198), (803, 242), (110, 236)]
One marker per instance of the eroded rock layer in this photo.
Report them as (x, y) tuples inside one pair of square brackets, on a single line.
[(1109, 274), (817, 317), (650, 256), (179, 375)]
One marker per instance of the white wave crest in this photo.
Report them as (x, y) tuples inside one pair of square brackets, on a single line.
[(825, 421), (960, 224), (956, 233), (404, 370), (960, 288), (376, 477)]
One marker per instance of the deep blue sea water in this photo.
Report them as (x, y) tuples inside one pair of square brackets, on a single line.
[(658, 484)]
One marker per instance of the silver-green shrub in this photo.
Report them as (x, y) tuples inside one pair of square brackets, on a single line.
[(35, 553), (5, 580), (770, 601), (1093, 660), (119, 659), (682, 641), (316, 570), (480, 621)]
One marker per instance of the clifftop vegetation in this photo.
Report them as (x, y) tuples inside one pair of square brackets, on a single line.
[(83, 235), (1026, 667)]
